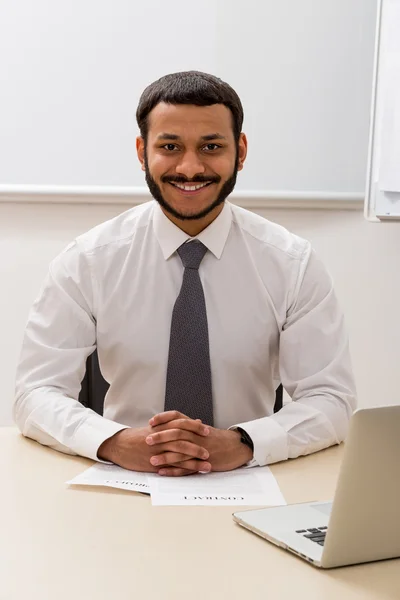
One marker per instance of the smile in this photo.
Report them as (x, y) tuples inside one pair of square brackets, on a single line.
[(190, 187)]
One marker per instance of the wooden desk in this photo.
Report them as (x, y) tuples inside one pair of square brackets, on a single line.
[(59, 543)]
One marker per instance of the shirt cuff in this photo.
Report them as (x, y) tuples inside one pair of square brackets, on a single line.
[(92, 433), (269, 439)]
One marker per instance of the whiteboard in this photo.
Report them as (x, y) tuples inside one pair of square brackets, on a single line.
[(383, 180), (71, 73)]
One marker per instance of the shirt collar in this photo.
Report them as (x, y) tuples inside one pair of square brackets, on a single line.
[(170, 237)]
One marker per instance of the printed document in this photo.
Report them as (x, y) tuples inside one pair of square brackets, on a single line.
[(245, 487), (241, 487), (113, 476)]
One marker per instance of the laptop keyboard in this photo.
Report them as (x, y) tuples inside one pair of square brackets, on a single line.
[(315, 534)]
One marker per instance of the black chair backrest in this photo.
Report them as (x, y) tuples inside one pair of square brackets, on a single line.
[(94, 387)]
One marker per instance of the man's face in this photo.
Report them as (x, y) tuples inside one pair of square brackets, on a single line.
[(191, 158)]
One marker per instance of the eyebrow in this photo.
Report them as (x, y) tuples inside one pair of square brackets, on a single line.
[(213, 136), (168, 136), (204, 138)]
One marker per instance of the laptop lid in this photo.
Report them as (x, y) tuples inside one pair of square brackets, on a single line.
[(364, 524)]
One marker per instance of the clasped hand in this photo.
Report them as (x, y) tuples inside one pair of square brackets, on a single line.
[(175, 445)]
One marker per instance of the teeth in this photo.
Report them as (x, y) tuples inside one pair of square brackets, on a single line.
[(190, 188)]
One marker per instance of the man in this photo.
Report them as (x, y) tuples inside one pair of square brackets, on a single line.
[(198, 310)]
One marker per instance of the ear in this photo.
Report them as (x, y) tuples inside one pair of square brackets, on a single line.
[(242, 151), (140, 151)]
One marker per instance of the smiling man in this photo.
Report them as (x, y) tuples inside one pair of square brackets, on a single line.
[(193, 184), (198, 309)]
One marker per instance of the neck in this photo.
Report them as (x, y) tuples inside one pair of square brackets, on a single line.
[(195, 226)]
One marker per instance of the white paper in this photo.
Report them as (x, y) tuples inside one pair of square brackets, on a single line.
[(113, 476), (242, 487)]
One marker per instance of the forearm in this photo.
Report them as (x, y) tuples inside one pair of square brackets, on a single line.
[(301, 427), (53, 419)]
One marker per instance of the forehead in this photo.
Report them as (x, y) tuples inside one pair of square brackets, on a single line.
[(188, 120)]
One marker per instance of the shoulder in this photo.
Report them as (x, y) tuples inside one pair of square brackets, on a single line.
[(286, 263), (269, 236), (117, 231), (103, 241)]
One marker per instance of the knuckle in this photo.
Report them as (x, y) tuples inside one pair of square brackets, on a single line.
[(182, 446), (156, 428), (165, 435), (176, 472), (190, 464), (163, 458), (199, 466), (192, 449), (154, 450), (204, 454), (169, 458), (180, 457)]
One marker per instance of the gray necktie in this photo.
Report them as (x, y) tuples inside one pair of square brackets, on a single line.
[(188, 387)]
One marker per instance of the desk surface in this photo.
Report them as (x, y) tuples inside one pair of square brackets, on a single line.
[(59, 543)]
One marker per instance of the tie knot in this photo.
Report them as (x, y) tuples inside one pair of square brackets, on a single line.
[(192, 254)]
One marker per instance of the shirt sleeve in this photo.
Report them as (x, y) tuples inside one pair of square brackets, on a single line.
[(315, 370), (59, 336)]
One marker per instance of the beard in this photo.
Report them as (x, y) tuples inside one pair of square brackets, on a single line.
[(224, 192)]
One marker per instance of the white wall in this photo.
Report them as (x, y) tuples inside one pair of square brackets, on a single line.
[(71, 73), (362, 257)]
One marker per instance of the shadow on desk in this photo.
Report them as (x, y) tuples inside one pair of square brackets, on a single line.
[(374, 580)]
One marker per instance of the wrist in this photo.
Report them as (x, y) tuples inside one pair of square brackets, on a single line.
[(107, 449), (245, 446), (246, 455), (245, 438)]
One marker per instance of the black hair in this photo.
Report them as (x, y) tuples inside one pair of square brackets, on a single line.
[(189, 87)]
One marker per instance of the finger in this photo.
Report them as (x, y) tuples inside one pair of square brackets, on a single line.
[(171, 435), (168, 458), (164, 417), (200, 466), (175, 472), (190, 449), (182, 447), (185, 424)]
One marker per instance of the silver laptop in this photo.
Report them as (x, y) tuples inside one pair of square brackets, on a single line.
[(362, 524)]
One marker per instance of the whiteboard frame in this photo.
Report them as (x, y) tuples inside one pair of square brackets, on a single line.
[(370, 212), (132, 196)]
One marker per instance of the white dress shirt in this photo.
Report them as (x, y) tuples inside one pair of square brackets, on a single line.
[(272, 316)]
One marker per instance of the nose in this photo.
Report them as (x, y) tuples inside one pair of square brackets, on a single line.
[(190, 165)]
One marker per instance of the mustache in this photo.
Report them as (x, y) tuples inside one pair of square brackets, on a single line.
[(196, 179)]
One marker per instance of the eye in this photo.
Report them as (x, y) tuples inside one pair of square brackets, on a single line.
[(211, 147), (170, 147)]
